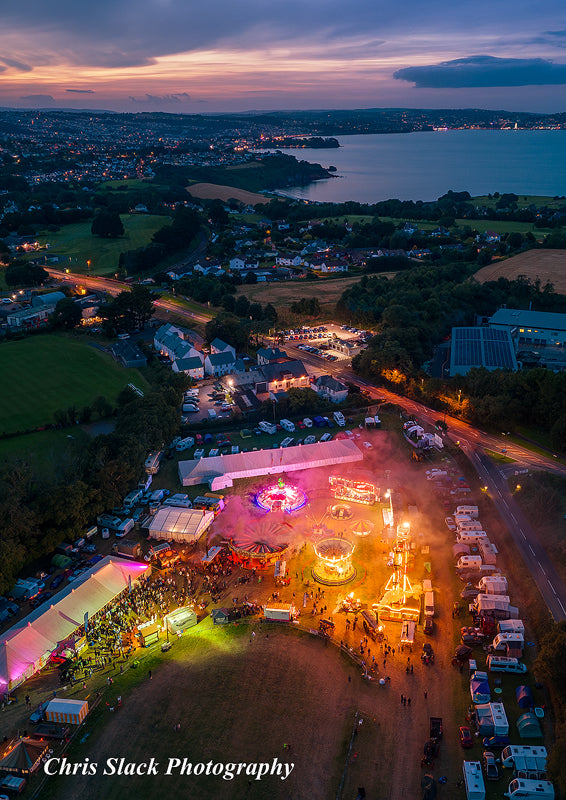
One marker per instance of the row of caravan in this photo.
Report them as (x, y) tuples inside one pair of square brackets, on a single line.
[(519, 788)]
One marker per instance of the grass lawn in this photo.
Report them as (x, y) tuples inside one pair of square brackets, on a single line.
[(188, 305), (45, 450), (522, 202), (77, 244), (45, 373)]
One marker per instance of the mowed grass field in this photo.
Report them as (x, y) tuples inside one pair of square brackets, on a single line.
[(546, 265), (238, 699), (42, 374), (213, 191), (77, 244)]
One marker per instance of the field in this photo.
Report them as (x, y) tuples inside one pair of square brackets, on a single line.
[(43, 374), (546, 265), (77, 245), (213, 191), (327, 290), (523, 201)]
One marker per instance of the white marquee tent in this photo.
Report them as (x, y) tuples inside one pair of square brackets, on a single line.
[(179, 524), (25, 648), (221, 471)]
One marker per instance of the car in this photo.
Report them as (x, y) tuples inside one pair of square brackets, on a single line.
[(495, 742), (326, 437), (199, 452), (469, 592), (257, 432), (428, 626), (57, 581), (198, 438), (450, 524), (428, 652), (466, 739), (301, 425), (368, 445), (490, 766)]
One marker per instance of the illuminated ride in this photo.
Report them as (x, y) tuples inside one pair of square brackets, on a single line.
[(353, 491), (334, 561), (399, 601), (362, 527), (261, 543), (281, 497), (341, 511)]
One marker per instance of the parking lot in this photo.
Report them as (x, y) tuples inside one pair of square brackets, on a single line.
[(319, 341)]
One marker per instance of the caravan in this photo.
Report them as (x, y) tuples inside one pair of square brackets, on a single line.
[(473, 780), (505, 664), (520, 789)]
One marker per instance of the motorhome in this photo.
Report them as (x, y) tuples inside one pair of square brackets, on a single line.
[(505, 664), (429, 604), (133, 498), (152, 463)]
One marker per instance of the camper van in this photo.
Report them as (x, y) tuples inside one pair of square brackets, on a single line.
[(505, 664), (520, 789), (131, 499), (287, 425), (429, 604), (473, 780)]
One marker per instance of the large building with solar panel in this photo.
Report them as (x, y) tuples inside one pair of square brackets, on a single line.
[(531, 328), (490, 348)]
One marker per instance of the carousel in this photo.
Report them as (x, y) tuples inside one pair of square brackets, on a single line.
[(281, 497), (261, 545), (334, 561)]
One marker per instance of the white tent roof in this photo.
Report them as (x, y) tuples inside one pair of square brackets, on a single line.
[(263, 462), (180, 524), (38, 634)]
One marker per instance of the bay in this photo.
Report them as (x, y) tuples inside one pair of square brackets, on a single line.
[(423, 166)]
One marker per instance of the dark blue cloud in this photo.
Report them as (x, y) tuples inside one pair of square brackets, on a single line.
[(19, 65), (41, 100), (162, 99), (484, 72), (80, 91)]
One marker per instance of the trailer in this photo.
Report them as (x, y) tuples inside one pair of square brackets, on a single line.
[(488, 552), (279, 612), (522, 789), (515, 754), (493, 584), (307, 422), (152, 462), (473, 780), (71, 712), (339, 419), (287, 425), (128, 548), (267, 427), (511, 626), (408, 629), (470, 511)]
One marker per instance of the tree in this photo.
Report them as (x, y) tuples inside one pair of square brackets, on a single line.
[(228, 328), (270, 313), (107, 224), (67, 314), (242, 307)]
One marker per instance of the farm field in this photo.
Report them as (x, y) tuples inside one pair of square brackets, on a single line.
[(213, 191), (44, 451), (327, 290), (77, 244), (42, 374), (546, 265)]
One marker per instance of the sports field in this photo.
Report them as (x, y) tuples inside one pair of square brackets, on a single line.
[(42, 374), (77, 244), (546, 265)]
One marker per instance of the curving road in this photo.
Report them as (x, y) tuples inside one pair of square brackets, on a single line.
[(114, 287)]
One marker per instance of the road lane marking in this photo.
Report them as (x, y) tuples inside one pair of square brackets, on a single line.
[(552, 587), (532, 551), (542, 568)]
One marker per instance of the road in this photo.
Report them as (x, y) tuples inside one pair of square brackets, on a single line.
[(113, 287), (474, 443)]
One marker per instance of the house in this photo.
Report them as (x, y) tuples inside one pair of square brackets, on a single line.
[(218, 364), (42, 305), (347, 347), (267, 355), (219, 346), (241, 263), (330, 389), (190, 365), (282, 376), (171, 341), (289, 261), (128, 353)]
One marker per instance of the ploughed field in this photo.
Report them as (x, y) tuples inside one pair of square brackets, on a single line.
[(545, 265)]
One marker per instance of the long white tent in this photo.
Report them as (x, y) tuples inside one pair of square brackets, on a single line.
[(25, 648), (221, 471), (179, 524)]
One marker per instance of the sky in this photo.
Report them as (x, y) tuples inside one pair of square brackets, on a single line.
[(210, 56)]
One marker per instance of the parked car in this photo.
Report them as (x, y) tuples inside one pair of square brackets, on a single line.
[(490, 766), (57, 581), (450, 524), (367, 445), (428, 626), (466, 739), (495, 742)]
